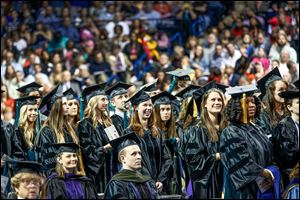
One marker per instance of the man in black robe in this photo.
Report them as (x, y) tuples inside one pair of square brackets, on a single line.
[(286, 136), (118, 94), (129, 183)]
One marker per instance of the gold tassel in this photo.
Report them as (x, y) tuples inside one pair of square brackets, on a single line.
[(244, 107), (81, 166), (195, 110)]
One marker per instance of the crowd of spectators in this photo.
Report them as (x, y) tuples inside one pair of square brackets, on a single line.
[(80, 43)]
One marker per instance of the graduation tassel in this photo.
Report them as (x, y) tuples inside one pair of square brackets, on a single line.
[(125, 120), (81, 166), (39, 121), (81, 107), (244, 107), (172, 85), (195, 109), (17, 112)]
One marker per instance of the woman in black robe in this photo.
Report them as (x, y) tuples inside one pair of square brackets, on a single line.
[(156, 159), (201, 148), (55, 129), (66, 182), (271, 85), (245, 149), (26, 129), (166, 123), (99, 163), (286, 136)]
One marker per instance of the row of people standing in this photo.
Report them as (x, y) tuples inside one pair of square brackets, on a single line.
[(203, 146)]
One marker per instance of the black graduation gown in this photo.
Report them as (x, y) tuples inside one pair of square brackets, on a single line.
[(130, 185), (156, 159), (98, 165), (118, 122), (286, 146), (245, 152), (71, 187), (205, 171), (173, 184), (26, 152), (47, 155), (6, 138)]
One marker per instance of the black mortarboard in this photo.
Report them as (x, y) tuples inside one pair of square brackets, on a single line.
[(28, 100), (296, 84), (290, 94), (181, 74), (93, 90), (70, 94), (198, 94), (49, 100), (139, 97), (163, 98), (238, 91), (118, 89), (265, 81), (26, 89), (188, 91), (150, 87), (26, 167), (65, 147), (124, 141)]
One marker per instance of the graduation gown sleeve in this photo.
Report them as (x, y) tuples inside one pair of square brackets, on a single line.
[(116, 190), (235, 154), (285, 142), (92, 149)]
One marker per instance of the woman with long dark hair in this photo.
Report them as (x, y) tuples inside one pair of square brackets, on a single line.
[(166, 123)]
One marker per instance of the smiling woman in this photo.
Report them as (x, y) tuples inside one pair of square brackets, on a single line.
[(66, 182)]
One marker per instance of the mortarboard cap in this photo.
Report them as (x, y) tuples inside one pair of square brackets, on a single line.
[(28, 100), (188, 91), (49, 100), (26, 89), (182, 74), (93, 90), (238, 91), (163, 98), (150, 87), (265, 81), (198, 94), (124, 141), (26, 167), (139, 97), (290, 94), (118, 89), (296, 84), (70, 94), (65, 147)]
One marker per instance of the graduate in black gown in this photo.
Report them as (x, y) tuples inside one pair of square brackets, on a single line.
[(156, 161), (201, 148), (118, 95), (66, 182), (129, 183), (274, 109), (98, 161), (32, 89), (245, 149), (286, 136), (55, 129), (73, 108), (165, 121), (26, 129)]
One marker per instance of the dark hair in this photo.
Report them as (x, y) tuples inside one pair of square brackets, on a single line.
[(234, 110)]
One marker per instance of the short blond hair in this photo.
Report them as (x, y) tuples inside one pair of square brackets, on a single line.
[(23, 176)]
